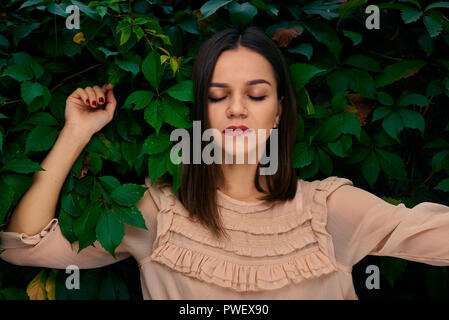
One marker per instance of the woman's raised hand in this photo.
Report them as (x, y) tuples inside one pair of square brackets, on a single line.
[(91, 108)]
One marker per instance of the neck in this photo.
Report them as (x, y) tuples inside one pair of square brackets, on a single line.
[(239, 181)]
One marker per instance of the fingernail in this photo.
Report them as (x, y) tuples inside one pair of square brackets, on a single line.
[(100, 100), (94, 103), (87, 101)]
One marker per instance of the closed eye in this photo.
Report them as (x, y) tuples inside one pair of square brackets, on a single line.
[(251, 97)]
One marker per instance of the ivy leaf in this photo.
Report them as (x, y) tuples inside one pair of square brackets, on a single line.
[(84, 226), (129, 151), (152, 69), (22, 166), (305, 49), (182, 91), (18, 73), (153, 115), (410, 14), (302, 155), (393, 125), (326, 165), (325, 34), (127, 194), (41, 138), (434, 5), (380, 113), (109, 183), (341, 146), (130, 66), (130, 215), (363, 62), (157, 166), (36, 287), (242, 14), (412, 119), (354, 36), (392, 164), (66, 224), (31, 90), (351, 125), (110, 231), (301, 73), (24, 30), (211, 6), (6, 198), (397, 71), (175, 113), (433, 25), (140, 99), (392, 268), (371, 169), (156, 143)]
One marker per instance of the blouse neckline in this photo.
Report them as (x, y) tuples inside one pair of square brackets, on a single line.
[(241, 206)]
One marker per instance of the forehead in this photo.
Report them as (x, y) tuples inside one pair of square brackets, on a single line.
[(241, 65)]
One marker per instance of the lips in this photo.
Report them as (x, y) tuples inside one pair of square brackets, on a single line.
[(232, 130)]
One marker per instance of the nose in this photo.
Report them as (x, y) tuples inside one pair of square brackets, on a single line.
[(237, 109)]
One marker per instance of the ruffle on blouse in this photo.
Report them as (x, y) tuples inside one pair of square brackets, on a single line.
[(310, 253)]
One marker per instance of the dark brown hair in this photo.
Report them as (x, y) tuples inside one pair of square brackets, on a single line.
[(199, 181)]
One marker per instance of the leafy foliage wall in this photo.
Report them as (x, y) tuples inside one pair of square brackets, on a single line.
[(372, 108)]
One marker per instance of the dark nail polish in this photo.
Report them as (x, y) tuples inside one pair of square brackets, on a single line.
[(94, 103), (87, 101), (101, 100)]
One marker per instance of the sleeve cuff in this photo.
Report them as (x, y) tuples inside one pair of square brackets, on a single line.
[(9, 240)]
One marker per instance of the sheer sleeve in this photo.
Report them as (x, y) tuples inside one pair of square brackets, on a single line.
[(49, 248), (363, 224)]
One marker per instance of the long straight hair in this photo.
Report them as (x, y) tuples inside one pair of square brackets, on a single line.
[(199, 182)]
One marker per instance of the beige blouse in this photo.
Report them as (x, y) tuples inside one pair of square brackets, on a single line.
[(298, 249)]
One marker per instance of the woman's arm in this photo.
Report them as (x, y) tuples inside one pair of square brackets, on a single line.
[(38, 205), (363, 224)]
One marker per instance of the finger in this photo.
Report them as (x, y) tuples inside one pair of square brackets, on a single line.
[(99, 95), (111, 103), (80, 94), (91, 93)]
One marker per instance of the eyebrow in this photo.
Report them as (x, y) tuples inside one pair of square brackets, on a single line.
[(248, 83)]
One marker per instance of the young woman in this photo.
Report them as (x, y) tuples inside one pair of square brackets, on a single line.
[(231, 232)]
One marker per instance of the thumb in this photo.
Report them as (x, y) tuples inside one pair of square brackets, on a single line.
[(111, 102)]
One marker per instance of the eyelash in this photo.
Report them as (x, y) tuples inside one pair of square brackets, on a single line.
[(252, 98)]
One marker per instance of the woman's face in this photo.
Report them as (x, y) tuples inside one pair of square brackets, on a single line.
[(242, 92)]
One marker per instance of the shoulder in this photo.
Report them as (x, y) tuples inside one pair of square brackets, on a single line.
[(319, 190)]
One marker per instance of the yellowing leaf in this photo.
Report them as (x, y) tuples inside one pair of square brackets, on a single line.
[(36, 287), (174, 64), (50, 285), (78, 38)]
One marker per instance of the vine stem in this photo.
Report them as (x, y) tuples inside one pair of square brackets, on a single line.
[(59, 84)]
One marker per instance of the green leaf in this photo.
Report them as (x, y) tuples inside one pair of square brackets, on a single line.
[(301, 73), (41, 138), (392, 164), (442, 4), (433, 25), (31, 90), (152, 69), (24, 30), (412, 119), (156, 143), (325, 34), (351, 124), (4, 41), (339, 102), (331, 128), (157, 166), (129, 151), (42, 119), (130, 66), (305, 49), (107, 52), (310, 170), (109, 231), (393, 125), (392, 268), (18, 73), (413, 99), (302, 155), (175, 113), (140, 99), (153, 115), (397, 71), (354, 36), (361, 82), (341, 147), (410, 14), (384, 98), (86, 9), (242, 14), (22, 166), (211, 6), (443, 185), (326, 165), (127, 194), (6, 198), (95, 162), (84, 226), (130, 215), (327, 10), (363, 62), (182, 91), (371, 169), (109, 183), (66, 224)]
